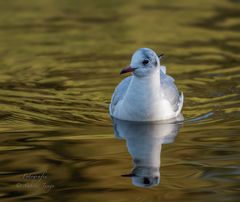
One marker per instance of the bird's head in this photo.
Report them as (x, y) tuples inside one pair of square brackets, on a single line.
[(144, 62)]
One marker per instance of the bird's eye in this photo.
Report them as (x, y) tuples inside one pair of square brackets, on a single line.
[(145, 61)]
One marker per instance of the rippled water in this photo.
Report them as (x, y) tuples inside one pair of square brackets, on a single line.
[(60, 61)]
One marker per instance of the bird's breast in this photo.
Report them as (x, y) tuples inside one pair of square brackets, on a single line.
[(143, 102)]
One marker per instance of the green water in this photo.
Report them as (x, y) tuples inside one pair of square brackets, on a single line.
[(59, 64)]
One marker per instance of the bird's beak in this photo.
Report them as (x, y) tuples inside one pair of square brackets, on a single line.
[(129, 175), (161, 55), (127, 69)]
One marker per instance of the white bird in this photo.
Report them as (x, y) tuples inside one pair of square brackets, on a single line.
[(149, 94)]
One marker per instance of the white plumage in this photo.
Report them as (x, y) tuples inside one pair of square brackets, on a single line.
[(149, 94)]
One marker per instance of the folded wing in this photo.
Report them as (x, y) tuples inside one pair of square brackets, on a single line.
[(170, 91), (119, 93)]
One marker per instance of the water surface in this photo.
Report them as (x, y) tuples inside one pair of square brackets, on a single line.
[(60, 62)]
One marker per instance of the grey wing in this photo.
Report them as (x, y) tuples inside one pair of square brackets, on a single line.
[(170, 91), (119, 93)]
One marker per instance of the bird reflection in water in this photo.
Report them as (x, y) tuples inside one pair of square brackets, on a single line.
[(144, 143)]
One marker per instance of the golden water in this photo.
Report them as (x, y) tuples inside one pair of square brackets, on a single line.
[(60, 61)]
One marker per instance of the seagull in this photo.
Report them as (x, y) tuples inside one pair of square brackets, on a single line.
[(149, 94)]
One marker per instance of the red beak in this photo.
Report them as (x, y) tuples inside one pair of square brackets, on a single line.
[(126, 70)]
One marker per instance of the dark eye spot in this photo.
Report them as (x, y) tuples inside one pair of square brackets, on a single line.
[(146, 180), (145, 61)]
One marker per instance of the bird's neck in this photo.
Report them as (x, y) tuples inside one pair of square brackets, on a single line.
[(144, 88), (146, 153)]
